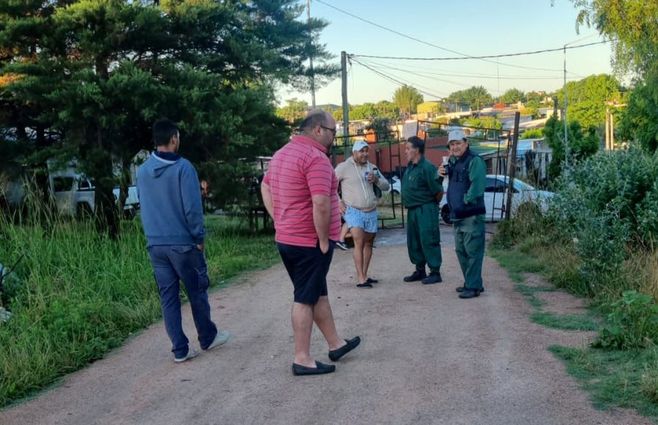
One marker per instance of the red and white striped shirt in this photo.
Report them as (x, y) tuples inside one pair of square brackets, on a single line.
[(298, 171)]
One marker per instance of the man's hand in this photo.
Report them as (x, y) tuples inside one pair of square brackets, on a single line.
[(200, 247), (372, 178), (442, 170), (324, 246), (342, 207)]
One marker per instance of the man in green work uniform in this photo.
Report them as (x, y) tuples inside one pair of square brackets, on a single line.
[(467, 176), (421, 191)]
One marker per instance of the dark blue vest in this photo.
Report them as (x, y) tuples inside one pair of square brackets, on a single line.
[(458, 186)]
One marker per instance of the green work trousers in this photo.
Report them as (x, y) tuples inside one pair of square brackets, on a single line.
[(469, 246), (423, 236)]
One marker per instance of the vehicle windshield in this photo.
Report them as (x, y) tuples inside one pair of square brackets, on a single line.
[(519, 185)]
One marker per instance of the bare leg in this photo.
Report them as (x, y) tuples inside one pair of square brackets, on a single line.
[(302, 326), (343, 232), (324, 318), (359, 237), (367, 251)]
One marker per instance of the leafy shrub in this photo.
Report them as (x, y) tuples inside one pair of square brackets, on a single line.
[(632, 323)]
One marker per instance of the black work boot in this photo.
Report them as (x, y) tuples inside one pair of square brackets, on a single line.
[(434, 277), (419, 274)]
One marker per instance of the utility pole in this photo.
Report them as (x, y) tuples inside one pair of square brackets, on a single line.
[(346, 106), (564, 117), (511, 166), (310, 53)]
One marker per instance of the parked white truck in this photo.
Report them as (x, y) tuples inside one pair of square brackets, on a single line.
[(75, 194)]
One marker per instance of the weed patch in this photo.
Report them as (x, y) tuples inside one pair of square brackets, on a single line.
[(77, 295)]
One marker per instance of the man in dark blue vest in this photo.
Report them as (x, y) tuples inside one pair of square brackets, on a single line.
[(466, 172)]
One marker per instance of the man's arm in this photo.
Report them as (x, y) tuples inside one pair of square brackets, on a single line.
[(321, 220), (435, 185), (267, 198), (477, 173), (192, 207)]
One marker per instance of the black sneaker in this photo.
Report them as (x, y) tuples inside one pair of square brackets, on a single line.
[(434, 277), (341, 245), (415, 276)]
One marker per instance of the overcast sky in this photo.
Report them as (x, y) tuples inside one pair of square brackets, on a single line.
[(470, 27)]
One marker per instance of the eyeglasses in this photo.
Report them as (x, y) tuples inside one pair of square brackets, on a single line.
[(333, 130)]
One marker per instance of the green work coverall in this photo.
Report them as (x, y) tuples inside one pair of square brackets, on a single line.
[(469, 231), (419, 188)]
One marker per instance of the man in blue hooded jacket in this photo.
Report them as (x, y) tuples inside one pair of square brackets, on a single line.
[(172, 217)]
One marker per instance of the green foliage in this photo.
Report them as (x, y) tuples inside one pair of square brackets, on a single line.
[(587, 99), (407, 98), (294, 111), (533, 133), (582, 144), (513, 96), (90, 77), (476, 97), (78, 294), (630, 24), (632, 323), (483, 122), (639, 120)]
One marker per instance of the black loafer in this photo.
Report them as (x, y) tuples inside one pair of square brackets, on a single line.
[(350, 344), (365, 284), (469, 293), (319, 369), (370, 280)]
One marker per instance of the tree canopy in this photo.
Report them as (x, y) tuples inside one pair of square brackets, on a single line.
[(88, 78), (513, 96), (407, 98), (586, 99), (476, 97)]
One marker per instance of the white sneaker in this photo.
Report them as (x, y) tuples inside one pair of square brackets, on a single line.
[(221, 338), (191, 353)]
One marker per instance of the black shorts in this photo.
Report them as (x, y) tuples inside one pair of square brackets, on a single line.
[(307, 268)]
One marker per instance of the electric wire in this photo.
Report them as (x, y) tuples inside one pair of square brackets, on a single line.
[(463, 55)]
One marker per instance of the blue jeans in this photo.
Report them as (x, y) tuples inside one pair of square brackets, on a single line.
[(171, 264)]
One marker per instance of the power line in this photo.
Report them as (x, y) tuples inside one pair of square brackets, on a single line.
[(465, 56), (401, 83), (503, 55), (466, 75)]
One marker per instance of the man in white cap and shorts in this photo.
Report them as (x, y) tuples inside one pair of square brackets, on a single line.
[(357, 178)]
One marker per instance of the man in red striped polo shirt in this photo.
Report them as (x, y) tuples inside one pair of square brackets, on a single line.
[(300, 193)]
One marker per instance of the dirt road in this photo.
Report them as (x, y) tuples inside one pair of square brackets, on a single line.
[(426, 358)]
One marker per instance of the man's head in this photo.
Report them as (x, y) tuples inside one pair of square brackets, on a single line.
[(319, 126), (360, 152), (457, 142), (414, 148), (166, 135)]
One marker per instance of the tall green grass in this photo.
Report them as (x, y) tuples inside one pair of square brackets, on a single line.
[(77, 294)]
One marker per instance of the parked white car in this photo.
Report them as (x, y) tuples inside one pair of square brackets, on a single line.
[(396, 185), (495, 198)]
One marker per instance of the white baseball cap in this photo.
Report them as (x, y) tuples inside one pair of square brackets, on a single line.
[(456, 136), (359, 145)]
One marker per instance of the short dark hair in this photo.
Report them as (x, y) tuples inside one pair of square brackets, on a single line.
[(163, 131), (417, 143), (313, 119)]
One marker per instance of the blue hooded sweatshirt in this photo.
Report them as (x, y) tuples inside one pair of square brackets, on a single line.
[(170, 200)]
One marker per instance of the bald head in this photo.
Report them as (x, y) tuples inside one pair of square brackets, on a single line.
[(319, 126)]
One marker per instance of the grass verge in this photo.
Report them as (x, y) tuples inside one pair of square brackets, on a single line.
[(75, 294), (614, 378)]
